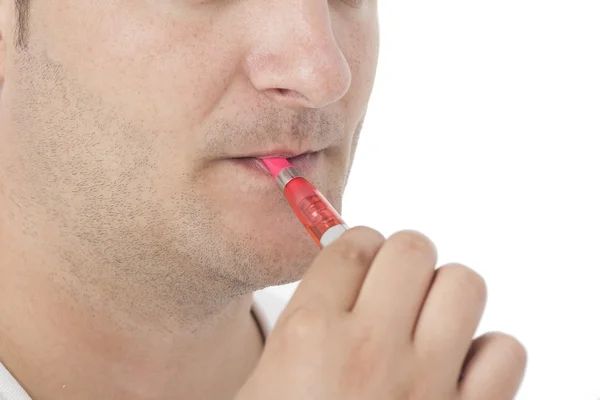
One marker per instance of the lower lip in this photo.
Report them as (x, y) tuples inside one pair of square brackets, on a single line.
[(304, 162)]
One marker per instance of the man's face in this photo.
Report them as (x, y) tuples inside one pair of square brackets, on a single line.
[(124, 125)]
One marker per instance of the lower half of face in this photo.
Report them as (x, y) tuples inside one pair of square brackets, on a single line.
[(143, 212), (135, 150)]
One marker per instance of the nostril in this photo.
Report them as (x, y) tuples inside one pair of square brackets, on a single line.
[(287, 93), (290, 97)]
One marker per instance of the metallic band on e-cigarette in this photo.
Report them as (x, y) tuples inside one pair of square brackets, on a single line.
[(332, 233), (286, 175)]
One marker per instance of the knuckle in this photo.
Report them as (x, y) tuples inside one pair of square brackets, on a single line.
[(511, 347), (467, 279), (355, 255), (364, 234), (304, 325), (414, 242), (359, 245)]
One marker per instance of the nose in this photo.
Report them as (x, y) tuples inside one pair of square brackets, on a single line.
[(294, 57)]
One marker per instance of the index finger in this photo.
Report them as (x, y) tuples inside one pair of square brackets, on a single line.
[(334, 280)]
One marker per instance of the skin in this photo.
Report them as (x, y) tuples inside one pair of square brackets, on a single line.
[(130, 243), (373, 319)]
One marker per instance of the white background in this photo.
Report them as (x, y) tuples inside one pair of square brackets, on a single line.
[(483, 133)]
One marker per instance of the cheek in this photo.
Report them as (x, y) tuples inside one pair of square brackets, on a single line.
[(359, 41), (142, 62), (368, 49)]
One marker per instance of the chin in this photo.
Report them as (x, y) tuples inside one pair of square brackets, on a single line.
[(270, 258), (253, 242), (288, 258)]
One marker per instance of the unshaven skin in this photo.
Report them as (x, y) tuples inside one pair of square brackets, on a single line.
[(130, 240)]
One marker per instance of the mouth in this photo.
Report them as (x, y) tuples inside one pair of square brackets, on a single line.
[(305, 162)]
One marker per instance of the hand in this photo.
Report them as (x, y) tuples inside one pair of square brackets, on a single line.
[(373, 319)]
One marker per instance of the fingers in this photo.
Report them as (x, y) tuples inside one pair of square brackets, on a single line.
[(494, 368), (334, 280), (397, 283), (449, 319)]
